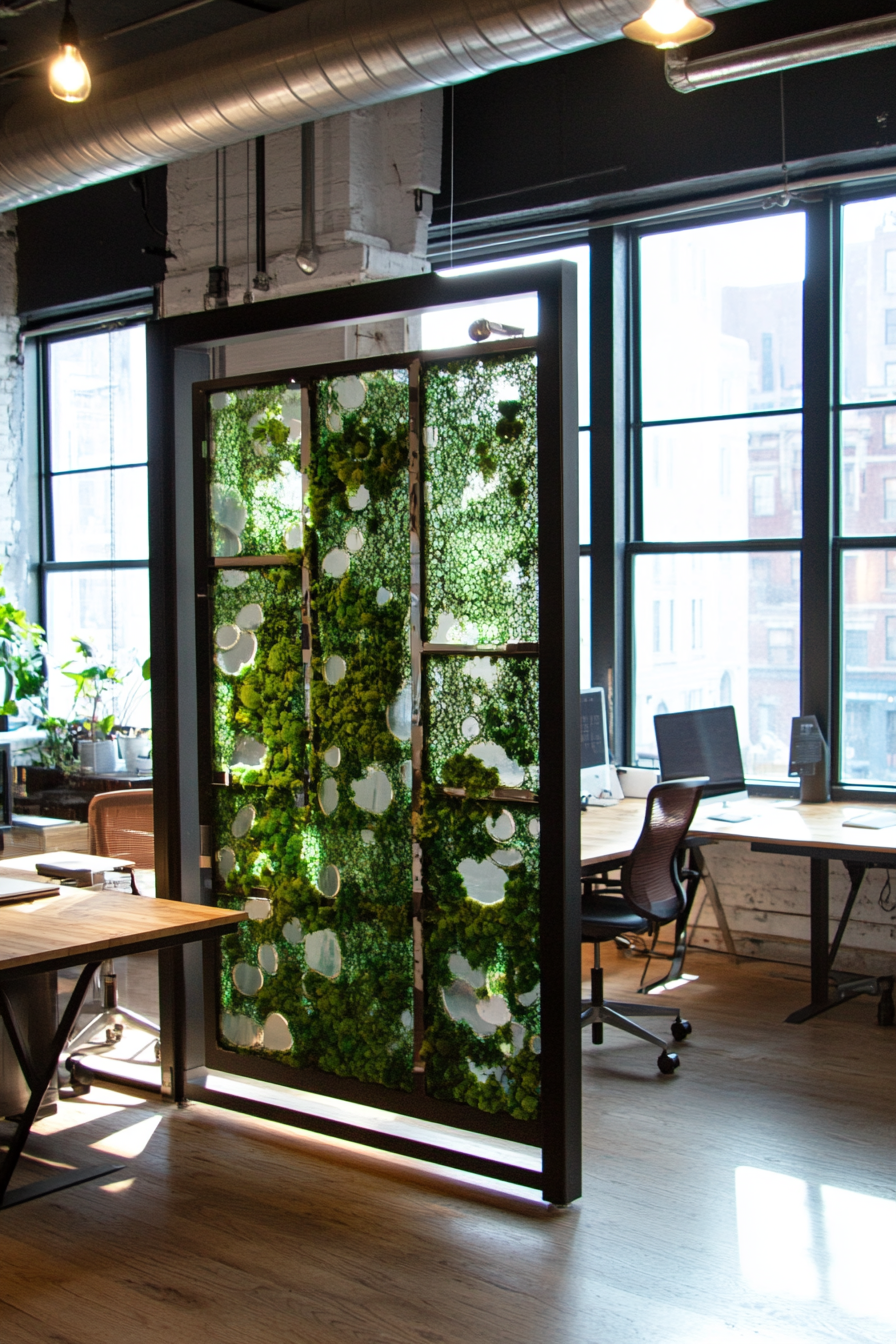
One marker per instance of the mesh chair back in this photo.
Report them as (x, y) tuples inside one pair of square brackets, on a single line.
[(650, 881), (121, 826)]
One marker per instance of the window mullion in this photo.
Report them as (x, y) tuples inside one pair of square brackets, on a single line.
[(816, 607)]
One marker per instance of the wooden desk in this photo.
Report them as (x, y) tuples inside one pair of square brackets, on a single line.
[(814, 831), (73, 929)]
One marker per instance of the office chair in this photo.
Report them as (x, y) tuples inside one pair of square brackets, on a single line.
[(121, 826), (647, 895)]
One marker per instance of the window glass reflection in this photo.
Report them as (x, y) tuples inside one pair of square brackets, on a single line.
[(868, 708), (718, 630)]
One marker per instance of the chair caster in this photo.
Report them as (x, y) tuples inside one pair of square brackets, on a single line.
[(681, 1028), (668, 1062)]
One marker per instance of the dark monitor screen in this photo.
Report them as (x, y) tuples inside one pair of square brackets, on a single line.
[(5, 789), (701, 742), (594, 740)]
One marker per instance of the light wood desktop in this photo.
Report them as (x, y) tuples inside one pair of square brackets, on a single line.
[(79, 927), (814, 831)]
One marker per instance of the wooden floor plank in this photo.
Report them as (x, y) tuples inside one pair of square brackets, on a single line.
[(232, 1230)]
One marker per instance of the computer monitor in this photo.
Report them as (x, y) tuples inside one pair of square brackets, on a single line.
[(702, 742), (5, 789), (595, 763)]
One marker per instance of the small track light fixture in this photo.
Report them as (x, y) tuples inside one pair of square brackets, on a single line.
[(69, 76), (482, 328), (668, 24)]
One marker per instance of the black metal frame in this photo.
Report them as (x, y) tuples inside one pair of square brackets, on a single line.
[(617, 455), (179, 619), (48, 564)]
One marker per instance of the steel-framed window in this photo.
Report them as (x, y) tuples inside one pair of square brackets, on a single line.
[(94, 563)]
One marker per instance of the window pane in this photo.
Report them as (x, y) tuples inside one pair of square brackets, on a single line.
[(101, 515), (867, 472), (98, 400), (868, 711), (718, 630), (109, 609), (725, 480), (446, 327), (584, 488), (869, 300), (584, 621), (721, 318)]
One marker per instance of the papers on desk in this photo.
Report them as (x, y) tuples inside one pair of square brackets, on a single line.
[(878, 820), (12, 889)]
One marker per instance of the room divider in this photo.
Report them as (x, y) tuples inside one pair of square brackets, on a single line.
[(365, 727)]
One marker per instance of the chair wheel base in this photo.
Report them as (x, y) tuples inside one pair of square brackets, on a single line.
[(668, 1062), (681, 1029)]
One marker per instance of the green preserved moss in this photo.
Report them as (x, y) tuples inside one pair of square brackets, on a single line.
[(481, 488), (255, 463)]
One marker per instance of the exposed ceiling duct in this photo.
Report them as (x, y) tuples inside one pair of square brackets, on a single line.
[(309, 61), (828, 44)]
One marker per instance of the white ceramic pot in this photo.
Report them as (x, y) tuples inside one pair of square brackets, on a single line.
[(131, 749), (105, 759), (87, 755)]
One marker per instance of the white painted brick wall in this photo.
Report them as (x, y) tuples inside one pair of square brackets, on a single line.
[(13, 477), (368, 164), (766, 902)]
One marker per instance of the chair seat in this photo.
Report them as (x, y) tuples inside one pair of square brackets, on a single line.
[(603, 917)]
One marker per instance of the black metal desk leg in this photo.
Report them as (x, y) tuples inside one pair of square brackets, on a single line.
[(38, 1073), (819, 932)]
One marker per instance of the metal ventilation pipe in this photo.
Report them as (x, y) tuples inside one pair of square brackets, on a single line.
[(309, 61), (828, 44)]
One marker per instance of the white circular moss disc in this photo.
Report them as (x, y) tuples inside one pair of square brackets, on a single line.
[(218, 400), (332, 757), (373, 793), (359, 500), (243, 821), (233, 578), (510, 774), (258, 907), (535, 828), (250, 617), (226, 541), (502, 827), (507, 858), (494, 1009), (354, 540), (329, 881), (399, 714), (242, 655), (226, 636), (277, 1035), (383, 595), (350, 392), (334, 422), (367, 837), (292, 932), (228, 510), (328, 796), (226, 860), (240, 1030), (248, 753), (484, 881), (470, 728), (336, 562), (294, 537), (268, 959), (461, 969), (334, 669), (248, 979), (323, 954), (461, 1004)]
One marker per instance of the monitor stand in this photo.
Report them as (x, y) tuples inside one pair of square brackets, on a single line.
[(731, 809)]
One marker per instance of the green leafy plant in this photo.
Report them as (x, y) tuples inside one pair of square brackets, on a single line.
[(57, 750), (93, 682), (22, 658)]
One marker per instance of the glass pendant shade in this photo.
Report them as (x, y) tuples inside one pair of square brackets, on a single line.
[(668, 24)]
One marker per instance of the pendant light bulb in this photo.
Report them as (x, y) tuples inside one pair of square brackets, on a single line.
[(69, 76), (307, 257), (668, 24)]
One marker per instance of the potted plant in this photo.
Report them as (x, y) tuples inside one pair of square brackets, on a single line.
[(97, 752), (133, 742), (22, 662)]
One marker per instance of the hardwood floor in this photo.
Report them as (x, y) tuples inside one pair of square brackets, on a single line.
[(750, 1197)]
